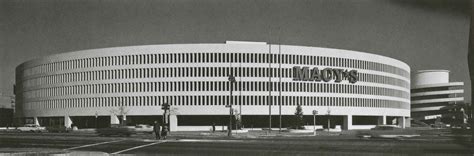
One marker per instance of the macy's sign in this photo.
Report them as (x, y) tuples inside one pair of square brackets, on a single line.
[(326, 75)]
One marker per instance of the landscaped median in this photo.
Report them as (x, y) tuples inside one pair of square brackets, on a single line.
[(253, 134), (46, 151), (375, 133)]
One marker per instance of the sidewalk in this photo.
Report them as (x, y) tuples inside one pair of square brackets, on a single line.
[(250, 134), (46, 152)]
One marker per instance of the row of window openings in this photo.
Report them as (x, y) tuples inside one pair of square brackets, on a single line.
[(189, 72), (213, 86), (213, 57), (216, 100), (432, 89), (429, 97)]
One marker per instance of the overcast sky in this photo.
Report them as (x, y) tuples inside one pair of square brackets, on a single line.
[(426, 34)]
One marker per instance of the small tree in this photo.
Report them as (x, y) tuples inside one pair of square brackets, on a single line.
[(299, 121), (120, 111), (457, 114), (237, 119)]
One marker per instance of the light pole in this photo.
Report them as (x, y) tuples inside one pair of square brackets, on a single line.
[(231, 83), (96, 116), (235, 115), (329, 119), (270, 88), (165, 107), (315, 112)]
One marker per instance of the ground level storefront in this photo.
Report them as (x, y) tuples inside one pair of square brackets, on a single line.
[(205, 122)]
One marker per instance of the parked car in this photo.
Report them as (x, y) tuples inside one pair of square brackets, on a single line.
[(31, 128), (388, 131), (142, 128), (385, 127), (58, 129), (117, 131), (440, 125)]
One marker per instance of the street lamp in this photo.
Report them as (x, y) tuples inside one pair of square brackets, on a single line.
[(96, 116), (329, 119), (165, 107), (231, 83), (315, 112), (235, 115)]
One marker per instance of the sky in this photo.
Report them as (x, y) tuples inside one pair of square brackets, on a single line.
[(425, 34)]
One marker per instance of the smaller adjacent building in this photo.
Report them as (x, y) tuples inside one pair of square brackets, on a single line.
[(433, 94), (6, 110)]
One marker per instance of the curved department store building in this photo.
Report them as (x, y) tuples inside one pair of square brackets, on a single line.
[(354, 90)]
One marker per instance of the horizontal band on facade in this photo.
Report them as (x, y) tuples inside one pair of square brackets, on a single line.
[(445, 92), (438, 100), (451, 84)]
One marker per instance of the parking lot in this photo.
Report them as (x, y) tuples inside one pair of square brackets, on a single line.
[(199, 143)]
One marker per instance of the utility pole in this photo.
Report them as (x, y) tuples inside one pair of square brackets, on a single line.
[(231, 84), (96, 116), (315, 112), (165, 107), (329, 119), (269, 87), (235, 115), (279, 77), (240, 91)]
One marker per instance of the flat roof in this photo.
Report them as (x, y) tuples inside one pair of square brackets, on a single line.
[(432, 70)]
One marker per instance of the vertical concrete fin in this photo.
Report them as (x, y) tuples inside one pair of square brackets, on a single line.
[(401, 122), (347, 122), (382, 120), (173, 123)]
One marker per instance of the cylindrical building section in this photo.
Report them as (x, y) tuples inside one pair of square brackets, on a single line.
[(353, 89), (432, 96), (426, 77)]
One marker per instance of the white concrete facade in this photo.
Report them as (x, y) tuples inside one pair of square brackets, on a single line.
[(426, 77), (432, 92), (193, 79)]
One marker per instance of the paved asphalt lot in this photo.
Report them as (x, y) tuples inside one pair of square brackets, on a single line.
[(273, 145)]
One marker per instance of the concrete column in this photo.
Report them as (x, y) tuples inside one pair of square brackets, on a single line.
[(347, 122), (67, 122), (114, 120), (407, 122), (35, 119), (173, 123), (401, 122), (382, 120)]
